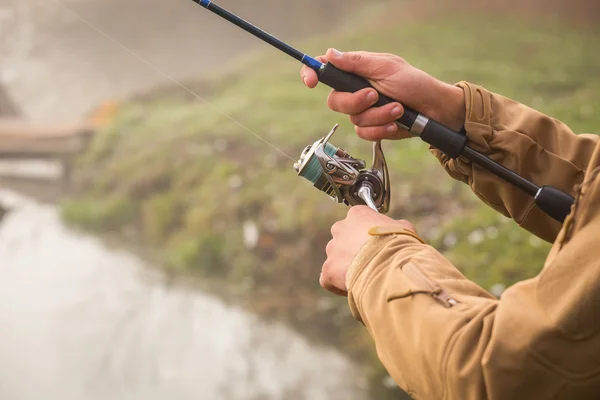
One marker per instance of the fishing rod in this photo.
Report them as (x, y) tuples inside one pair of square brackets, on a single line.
[(345, 178)]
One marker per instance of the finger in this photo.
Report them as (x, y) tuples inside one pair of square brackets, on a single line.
[(325, 278), (338, 292), (359, 211), (407, 225), (309, 76), (358, 62), (336, 228), (329, 248), (352, 103), (378, 116), (327, 285), (374, 133)]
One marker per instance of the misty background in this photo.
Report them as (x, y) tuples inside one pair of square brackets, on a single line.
[(151, 248)]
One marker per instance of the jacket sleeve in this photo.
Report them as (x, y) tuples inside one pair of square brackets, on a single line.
[(535, 146), (440, 336)]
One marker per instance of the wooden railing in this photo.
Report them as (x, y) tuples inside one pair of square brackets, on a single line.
[(21, 140)]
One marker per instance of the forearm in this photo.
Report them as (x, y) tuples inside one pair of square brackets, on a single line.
[(414, 304), (474, 346), (530, 143)]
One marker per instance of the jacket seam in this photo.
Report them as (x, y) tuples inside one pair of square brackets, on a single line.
[(376, 273), (585, 187), (368, 280), (365, 286), (568, 375), (372, 253), (446, 360), (500, 127), (531, 208), (497, 128), (485, 200)]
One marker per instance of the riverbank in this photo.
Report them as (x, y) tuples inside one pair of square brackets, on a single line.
[(215, 203)]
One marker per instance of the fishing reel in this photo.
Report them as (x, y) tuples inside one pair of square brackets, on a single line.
[(345, 178)]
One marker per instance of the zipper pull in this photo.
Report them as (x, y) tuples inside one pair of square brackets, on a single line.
[(443, 297)]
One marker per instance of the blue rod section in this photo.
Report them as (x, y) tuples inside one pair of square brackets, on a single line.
[(259, 33)]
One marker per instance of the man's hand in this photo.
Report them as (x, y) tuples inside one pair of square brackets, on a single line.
[(396, 78), (349, 235)]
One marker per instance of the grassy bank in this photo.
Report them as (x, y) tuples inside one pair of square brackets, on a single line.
[(173, 173)]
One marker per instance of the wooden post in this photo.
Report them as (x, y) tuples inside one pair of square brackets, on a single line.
[(67, 170)]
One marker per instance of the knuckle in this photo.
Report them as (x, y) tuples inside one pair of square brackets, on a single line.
[(376, 117), (325, 269), (330, 100), (355, 211), (333, 101), (357, 119), (358, 103), (355, 56), (364, 209), (335, 228), (329, 247), (371, 133), (325, 278), (355, 103), (322, 281), (401, 60), (407, 225), (385, 115), (360, 131)]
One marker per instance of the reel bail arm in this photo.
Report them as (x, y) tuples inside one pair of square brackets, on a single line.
[(345, 178)]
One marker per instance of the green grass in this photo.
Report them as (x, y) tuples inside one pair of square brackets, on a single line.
[(187, 178)]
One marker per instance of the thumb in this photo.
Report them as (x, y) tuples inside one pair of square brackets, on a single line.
[(360, 63)]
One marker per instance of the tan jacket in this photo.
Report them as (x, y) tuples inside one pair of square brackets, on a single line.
[(440, 335)]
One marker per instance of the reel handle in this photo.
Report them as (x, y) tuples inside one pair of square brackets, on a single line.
[(366, 194)]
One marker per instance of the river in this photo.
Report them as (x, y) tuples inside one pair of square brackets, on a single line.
[(83, 321)]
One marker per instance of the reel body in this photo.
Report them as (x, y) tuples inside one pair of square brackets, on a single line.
[(344, 178)]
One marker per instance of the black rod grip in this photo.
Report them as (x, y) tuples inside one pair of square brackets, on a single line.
[(554, 202), (343, 81), (444, 139), (439, 136)]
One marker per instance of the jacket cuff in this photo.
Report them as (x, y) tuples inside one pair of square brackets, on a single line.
[(357, 277), (478, 127), (478, 115)]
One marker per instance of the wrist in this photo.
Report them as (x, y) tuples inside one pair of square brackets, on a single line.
[(452, 108)]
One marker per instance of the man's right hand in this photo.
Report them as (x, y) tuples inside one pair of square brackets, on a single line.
[(396, 78)]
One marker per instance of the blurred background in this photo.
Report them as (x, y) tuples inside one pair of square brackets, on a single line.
[(152, 248)]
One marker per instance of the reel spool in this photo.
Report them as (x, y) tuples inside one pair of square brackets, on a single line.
[(344, 178)]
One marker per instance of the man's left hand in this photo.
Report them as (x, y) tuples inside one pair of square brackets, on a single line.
[(349, 235)]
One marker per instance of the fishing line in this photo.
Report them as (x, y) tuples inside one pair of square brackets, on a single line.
[(163, 73)]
